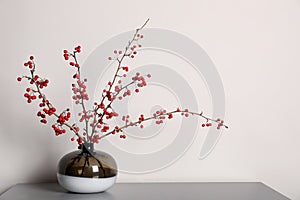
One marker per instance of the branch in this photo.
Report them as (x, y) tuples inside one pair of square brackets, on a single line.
[(116, 74), (49, 105), (159, 115)]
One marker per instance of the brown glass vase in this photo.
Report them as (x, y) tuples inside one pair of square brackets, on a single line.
[(87, 170)]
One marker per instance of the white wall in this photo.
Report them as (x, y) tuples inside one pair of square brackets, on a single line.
[(254, 44)]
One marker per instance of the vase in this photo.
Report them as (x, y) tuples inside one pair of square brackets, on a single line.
[(87, 170)]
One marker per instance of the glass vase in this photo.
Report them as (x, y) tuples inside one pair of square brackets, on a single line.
[(87, 170)]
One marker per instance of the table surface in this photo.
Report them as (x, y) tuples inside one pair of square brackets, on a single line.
[(149, 191)]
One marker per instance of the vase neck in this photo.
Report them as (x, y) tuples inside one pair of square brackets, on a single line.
[(87, 147)]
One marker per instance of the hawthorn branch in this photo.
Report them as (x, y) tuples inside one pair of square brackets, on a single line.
[(125, 53), (157, 116), (81, 92), (49, 105)]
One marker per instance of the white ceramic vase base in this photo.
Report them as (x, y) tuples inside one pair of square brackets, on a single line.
[(85, 185)]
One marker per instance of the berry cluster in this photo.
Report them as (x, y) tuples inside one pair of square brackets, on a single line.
[(29, 63), (220, 123), (58, 130), (64, 117), (79, 91), (67, 55), (40, 82), (29, 97), (116, 55)]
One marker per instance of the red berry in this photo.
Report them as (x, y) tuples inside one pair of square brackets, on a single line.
[(19, 79), (203, 125), (208, 124), (31, 57), (137, 90), (78, 49), (72, 139), (66, 56), (65, 51)]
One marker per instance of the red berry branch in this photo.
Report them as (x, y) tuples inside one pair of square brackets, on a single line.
[(34, 93), (96, 120)]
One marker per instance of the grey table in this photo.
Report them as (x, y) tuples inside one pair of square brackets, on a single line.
[(149, 191)]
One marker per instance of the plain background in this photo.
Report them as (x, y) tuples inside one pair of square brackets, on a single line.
[(254, 44)]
